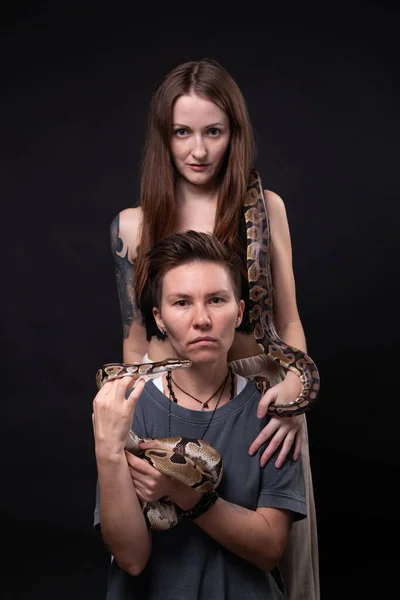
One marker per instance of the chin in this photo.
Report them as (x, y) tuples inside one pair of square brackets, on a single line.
[(199, 178), (204, 357)]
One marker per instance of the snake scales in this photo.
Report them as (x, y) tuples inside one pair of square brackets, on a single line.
[(195, 462), (191, 461), (261, 306)]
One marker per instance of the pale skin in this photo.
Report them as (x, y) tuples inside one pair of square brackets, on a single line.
[(200, 311), (200, 136)]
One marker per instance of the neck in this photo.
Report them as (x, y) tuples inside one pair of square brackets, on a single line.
[(202, 380), (187, 193)]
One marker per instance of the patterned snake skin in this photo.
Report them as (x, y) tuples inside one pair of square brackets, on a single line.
[(193, 462), (261, 306)]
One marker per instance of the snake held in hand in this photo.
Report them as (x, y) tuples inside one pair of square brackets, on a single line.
[(193, 462)]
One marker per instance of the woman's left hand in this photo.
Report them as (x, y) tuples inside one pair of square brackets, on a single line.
[(284, 430)]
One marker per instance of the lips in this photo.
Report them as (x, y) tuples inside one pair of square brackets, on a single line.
[(203, 339), (198, 167)]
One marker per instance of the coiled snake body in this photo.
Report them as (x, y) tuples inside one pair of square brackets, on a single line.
[(195, 462), (191, 461)]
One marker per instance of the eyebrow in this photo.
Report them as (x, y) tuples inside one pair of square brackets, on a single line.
[(187, 126), (209, 295)]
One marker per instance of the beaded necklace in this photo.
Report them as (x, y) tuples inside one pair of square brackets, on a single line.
[(172, 398)]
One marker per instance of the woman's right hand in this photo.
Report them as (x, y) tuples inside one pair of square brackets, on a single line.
[(151, 485), (113, 414)]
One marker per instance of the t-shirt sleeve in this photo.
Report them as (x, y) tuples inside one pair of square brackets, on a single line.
[(284, 488), (139, 427)]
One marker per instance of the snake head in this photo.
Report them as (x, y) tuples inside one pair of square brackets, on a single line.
[(170, 364), (110, 371)]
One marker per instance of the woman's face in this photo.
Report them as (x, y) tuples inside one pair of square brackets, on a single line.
[(199, 311), (200, 139)]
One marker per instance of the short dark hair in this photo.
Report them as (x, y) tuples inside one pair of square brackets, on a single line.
[(191, 246)]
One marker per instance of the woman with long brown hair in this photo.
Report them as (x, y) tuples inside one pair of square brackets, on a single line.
[(196, 166)]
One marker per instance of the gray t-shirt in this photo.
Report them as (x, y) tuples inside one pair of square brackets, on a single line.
[(185, 563)]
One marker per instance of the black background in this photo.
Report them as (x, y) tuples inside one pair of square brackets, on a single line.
[(322, 88)]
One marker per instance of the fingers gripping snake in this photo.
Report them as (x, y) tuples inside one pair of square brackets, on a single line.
[(195, 462)]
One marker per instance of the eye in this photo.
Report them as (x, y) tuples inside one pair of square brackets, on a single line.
[(217, 300), (181, 303), (180, 132), (214, 131)]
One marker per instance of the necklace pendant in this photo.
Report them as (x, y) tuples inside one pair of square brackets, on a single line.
[(204, 405)]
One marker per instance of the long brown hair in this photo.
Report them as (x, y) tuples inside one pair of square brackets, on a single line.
[(206, 78)]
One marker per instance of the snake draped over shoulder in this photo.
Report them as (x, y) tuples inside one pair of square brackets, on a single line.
[(261, 306), (195, 462)]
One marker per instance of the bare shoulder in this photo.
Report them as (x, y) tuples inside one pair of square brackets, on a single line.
[(275, 206), (130, 221), (278, 219), (125, 230)]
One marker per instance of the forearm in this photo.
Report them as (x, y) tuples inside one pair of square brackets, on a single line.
[(244, 532), (123, 526), (292, 333)]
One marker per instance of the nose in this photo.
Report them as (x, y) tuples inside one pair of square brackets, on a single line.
[(199, 150), (201, 317)]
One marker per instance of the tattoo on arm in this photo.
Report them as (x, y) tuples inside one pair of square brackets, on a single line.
[(124, 271), (240, 509)]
